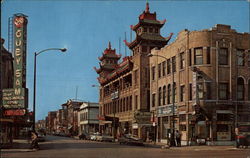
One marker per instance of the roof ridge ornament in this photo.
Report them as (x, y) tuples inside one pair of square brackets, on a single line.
[(109, 45), (147, 7)]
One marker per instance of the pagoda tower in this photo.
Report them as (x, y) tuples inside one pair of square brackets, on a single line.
[(147, 37), (108, 62)]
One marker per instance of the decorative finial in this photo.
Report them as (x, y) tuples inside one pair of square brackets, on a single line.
[(109, 45), (147, 7)]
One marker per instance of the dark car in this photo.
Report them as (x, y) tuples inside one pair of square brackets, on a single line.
[(130, 140), (41, 137), (84, 136), (243, 138)]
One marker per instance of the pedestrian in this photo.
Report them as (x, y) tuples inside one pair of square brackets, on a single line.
[(178, 138), (34, 141)]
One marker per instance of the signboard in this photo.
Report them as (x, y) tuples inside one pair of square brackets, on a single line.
[(194, 88), (167, 110), (14, 112), (18, 96)]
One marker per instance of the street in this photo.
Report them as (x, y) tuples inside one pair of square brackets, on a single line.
[(62, 147)]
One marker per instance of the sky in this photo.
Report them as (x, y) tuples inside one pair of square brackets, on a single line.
[(85, 27)]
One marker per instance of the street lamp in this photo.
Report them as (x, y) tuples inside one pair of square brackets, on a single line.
[(173, 98), (34, 88)]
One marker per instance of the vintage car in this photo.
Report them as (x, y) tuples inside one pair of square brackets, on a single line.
[(130, 140), (41, 137), (104, 138), (84, 136), (243, 137), (94, 136)]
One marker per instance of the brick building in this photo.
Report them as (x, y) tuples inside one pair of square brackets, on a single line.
[(211, 84), (124, 86), (51, 122)]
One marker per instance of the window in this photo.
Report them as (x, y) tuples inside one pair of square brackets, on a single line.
[(164, 68), (159, 70), (153, 100), (182, 93), (164, 95), (198, 60), (223, 56), (145, 29), (182, 61), (208, 90), (175, 93), (159, 97), (240, 57), (223, 91), (208, 55), (169, 94), (144, 48), (240, 89), (249, 89), (190, 57), (168, 66), (182, 128), (136, 102), (248, 59), (174, 64), (136, 76), (150, 29), (182, 117), (156, 30), (190, 91), (153, 73)]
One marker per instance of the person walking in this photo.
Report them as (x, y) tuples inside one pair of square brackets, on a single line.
[(178, 138)]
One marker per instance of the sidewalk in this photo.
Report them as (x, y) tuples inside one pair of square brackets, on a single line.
[(19, 145), (194, 148)]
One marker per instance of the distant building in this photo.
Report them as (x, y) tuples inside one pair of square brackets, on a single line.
[(88, 117), (210, 86), (7, 67), (51, 122), (124, 87)]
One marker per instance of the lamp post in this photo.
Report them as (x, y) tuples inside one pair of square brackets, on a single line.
[(34, 85), (173, 98)]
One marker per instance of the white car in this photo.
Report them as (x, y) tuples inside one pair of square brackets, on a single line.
[(94, 136)]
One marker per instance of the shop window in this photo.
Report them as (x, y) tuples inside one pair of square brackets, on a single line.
[(198, 60), (223, 56), (240, 89), (223, 91), (182, 128), (222, 128)]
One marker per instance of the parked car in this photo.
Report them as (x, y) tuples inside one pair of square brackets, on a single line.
[(84, 136), (130, 140), (94, 136), (243, 137), (104, 138)]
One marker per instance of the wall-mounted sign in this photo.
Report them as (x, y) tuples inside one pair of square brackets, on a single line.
[(18, 96)]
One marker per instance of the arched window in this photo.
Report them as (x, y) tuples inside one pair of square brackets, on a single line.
[(164, 95), (169, 94), (240, 89), (159, 97)]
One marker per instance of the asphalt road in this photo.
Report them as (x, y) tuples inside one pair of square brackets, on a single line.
[(62, 147)]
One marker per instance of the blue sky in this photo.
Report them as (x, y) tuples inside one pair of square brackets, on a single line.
[(85, 27)]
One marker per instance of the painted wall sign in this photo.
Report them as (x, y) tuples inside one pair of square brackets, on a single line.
[(18, 96)]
